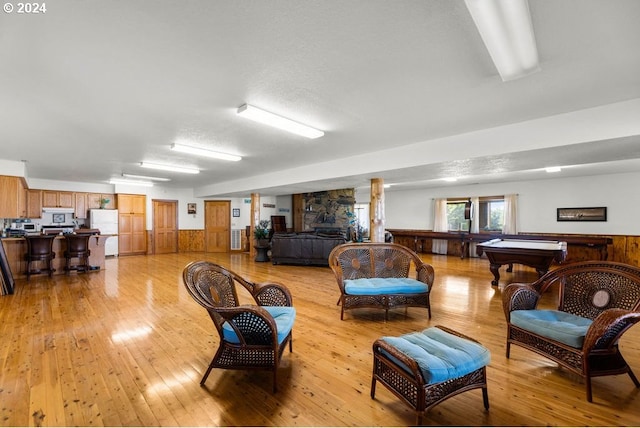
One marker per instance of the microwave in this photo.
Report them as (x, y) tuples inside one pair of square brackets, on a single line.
[(28, 227)]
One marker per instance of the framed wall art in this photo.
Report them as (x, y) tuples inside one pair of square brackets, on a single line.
[(191, 208), (582, 214), (236, 212)]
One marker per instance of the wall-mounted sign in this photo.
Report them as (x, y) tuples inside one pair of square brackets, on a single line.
[(269, 205)]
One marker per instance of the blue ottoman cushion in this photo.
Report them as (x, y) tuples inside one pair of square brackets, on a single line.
[(557, 325), (377, 286), (440, 355)]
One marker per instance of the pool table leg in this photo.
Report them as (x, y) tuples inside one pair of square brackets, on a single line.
[(495, 270)]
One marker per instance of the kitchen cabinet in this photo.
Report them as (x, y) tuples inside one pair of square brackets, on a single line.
[(80, 205), (93, 201), (132, 219), (34, 203), (13, 197), (51, 198)]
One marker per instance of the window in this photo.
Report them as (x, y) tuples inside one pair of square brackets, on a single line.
[(455, 216), (362, 214), (490, 214)]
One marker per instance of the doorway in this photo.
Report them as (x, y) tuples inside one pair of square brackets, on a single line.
[(165, 227), (217, 226)]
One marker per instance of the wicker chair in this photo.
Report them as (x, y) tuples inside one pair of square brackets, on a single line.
[(252, 337), (376, 275), (598, 302)]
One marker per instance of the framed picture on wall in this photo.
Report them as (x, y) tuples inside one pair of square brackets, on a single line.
[(582, 214), (236, 212), (191, 208)]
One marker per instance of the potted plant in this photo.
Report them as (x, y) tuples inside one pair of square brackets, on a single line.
[(103, 202), (261, 233)]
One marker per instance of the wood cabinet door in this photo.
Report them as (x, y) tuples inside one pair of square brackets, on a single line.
[(10, 187), (80, 205), (125, 204), (34, 203), (125, 234), (112, 204), (138, 204), (93, 201), (65, 199), (49, 198), (139, 235)]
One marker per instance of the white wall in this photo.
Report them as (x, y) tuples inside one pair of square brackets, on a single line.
[(537, 203), (413, 209)]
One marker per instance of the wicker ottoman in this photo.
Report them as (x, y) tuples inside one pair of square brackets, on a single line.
[(425, 368)]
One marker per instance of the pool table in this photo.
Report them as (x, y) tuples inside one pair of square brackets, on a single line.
[(536, 254)]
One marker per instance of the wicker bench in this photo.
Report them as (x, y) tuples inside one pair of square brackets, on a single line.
[(425, 368), (376, 275)]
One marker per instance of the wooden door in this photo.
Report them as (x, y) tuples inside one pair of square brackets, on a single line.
[(217, 226), (165, 227)]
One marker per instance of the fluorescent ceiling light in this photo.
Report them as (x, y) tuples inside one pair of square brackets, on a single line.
[(553, 169), (450, 179), (170, 168), (506, 29), (258, 115), (204, 152), (131, 182), (145, 177)]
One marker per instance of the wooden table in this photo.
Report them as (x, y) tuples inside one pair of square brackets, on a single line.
[(536, 254)]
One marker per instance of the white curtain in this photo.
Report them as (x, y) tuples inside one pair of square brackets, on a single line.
[(440, 224), (510, 210), (475, 224)]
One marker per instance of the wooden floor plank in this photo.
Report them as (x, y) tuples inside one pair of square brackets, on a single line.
[(127, 346)]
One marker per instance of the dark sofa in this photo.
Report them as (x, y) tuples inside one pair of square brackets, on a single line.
[(304, 248)]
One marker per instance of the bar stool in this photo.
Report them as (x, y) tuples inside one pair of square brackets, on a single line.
[(77, 248), (40, 249)]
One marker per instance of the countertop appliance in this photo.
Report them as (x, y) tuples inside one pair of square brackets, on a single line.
[(107, 222)]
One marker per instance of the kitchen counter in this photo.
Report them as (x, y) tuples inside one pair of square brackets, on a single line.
[(16, 248)]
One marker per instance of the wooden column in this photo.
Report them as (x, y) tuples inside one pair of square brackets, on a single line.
[(297, 216), (255, 220), (377, 218)]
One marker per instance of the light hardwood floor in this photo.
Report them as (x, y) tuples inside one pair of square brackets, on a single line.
[(127, 346)]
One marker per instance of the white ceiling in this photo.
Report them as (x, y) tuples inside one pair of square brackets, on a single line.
[(91, 88)]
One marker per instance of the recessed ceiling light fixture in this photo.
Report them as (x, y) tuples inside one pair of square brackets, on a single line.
[(506, 30), (170, 168), (264, 117), (145, 177), (204, 152), (553, 169), (131, 182)]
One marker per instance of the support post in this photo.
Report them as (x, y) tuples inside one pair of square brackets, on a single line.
[(255, 220), (377, 218)]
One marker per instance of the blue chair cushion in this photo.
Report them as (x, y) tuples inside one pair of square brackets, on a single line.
[(377, 286), (557, 325), (284, 316), (441, 356)]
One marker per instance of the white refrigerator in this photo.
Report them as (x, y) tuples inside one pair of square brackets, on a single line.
[(107, 222)]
